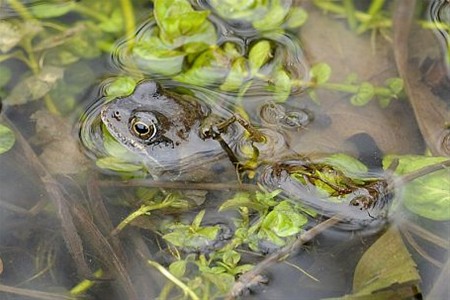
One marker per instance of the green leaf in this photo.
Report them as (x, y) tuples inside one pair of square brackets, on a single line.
[(236, 76), (51, 10), (296, 18), (198, 220), (209, 232), (238, 9), (284, 221), (273, 18), (223, 282), (268, 234), (209, 67), (259, 55), (427, 196), (177, 18), (395, 85), (178, 268), (267, 198), (114, 23), (365, 93), (320, 73), (176, 238), (283, 85), (5, 75), (118, 165), (120, 87), (155, 56), (7, 139), (346, 163), (231, 258), (387, 269), (241, 199)]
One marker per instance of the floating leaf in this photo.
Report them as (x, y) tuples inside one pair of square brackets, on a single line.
[(395, 85), (5, 75), (209, 67), (153, 55), (346, 163), (273, 18), (51, 10), (236, 75), (283, 85), (120, 87), (259, 54), (7, 138), (429, 195), (283, 220), (296, 18), (365, 93), (180, 24), (320, 73)]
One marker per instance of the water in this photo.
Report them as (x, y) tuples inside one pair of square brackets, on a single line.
[(65, 204)]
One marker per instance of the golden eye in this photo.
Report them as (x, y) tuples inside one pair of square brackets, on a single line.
[(143, 130)]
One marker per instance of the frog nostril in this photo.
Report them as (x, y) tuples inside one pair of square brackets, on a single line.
[(116, 115)]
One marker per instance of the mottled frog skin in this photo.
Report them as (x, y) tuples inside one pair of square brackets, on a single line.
[(161, 126)]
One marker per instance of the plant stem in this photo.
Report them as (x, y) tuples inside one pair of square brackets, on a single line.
[(90, 13), (360, 16), (128, 17), (173, 279), (21, 9), (85, 285)]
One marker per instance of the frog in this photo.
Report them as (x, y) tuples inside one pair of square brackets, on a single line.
[(170, 131)]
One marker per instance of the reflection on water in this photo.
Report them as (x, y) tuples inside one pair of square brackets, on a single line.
[(248, 150)]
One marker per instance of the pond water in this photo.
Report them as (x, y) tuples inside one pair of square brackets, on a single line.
[(224, 149)]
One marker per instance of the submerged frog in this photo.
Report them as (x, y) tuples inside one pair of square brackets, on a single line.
[(166, 130)]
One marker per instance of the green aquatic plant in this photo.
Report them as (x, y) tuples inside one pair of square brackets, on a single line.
[(7, 138), (263, 15), (362, 92), (427, 196), (56, 53)]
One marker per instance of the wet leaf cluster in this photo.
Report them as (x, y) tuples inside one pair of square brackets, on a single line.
[(183, 44), (55, 54)]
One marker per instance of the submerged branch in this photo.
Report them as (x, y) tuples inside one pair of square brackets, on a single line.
[(247, 278), (179, 185), (34, 294)]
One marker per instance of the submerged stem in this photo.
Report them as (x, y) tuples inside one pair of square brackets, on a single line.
[(173, 279), (128, 17), (21, 9)]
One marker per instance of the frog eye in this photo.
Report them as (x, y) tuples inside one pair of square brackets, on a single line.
[(142, 129)]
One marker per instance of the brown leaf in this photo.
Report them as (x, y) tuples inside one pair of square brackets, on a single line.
[(61, 153)]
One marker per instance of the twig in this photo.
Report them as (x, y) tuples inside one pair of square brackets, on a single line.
[(179, 185), (282, 254)]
